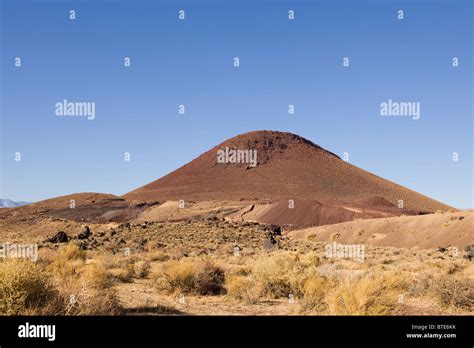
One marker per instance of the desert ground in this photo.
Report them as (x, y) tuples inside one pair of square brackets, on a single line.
[(213, 266)]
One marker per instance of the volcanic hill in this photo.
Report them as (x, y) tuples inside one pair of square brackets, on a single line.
[(289, 167)]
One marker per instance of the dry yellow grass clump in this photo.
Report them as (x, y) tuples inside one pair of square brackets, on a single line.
[(25, 289), (370, 295), (61, 285), (191, 276)]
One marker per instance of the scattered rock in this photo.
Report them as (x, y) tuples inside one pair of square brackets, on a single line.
[(86, 232), (93, 244), (60, 237), (274, 230), (270, 243), (469, 249), (83, 246)]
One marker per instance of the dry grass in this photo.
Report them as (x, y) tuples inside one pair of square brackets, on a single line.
[(284, 273), (73, 282), (191, 276), (62, 285), (67, 262), (142, 269), (26, 289), (242, 288), (454, 293), (450, 282), (369, 295), (315, 290)]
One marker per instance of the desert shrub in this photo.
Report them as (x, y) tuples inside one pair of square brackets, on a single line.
[(202, 277), (142, 269), (68, 261), (88, 298), (281, 274), (121, 268), (159, 256), (124, 275), (369, 295), (454, 292), (72, 252), (84, 289), (97, 276), (242, 288), (26, 289), (89, 292), (314, 292)]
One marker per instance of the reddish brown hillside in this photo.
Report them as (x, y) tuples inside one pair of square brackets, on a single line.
[(289, 166)]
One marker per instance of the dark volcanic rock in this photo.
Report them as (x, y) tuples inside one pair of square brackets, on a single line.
[(83, 246), (86, 232), (275, 230), (60, 237), (270, 243), (469, 249)]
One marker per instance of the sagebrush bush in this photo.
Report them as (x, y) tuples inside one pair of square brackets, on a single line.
[(315, 290), (242, 288), (26, 289), (85, 289), (202, 277), (88, 292), (142, 269), (88, 298), (96, 276), (453, 292), (369, 295), (282, 274), (68, 261)]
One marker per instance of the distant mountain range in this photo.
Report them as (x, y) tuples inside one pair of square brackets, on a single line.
[(8, 203)]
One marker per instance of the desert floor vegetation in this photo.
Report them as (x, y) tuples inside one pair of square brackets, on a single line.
[(390, 281)]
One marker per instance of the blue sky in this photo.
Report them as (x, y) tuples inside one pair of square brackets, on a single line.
[(190, 62)]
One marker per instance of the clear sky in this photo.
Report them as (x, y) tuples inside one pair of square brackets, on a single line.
[(190, 62)]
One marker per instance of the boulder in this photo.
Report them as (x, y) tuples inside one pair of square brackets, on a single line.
[(60, 237), (86, 232)]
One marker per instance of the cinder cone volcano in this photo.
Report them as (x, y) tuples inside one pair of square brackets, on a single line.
[(288, 167)]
